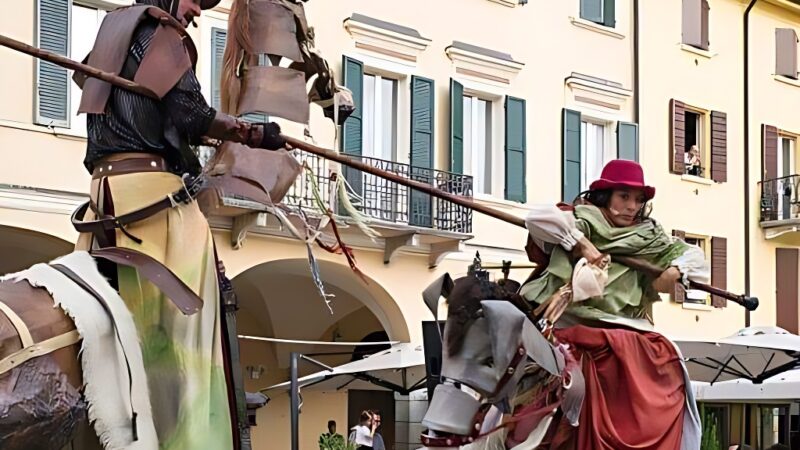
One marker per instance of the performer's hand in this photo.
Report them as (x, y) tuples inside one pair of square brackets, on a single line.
[(272, 139), (666, 281), (589, 251)]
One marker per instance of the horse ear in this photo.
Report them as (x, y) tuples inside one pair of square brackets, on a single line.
[(505, 330), (439, 288)]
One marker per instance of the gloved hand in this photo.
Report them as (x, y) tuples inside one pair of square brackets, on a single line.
[(271, 139)]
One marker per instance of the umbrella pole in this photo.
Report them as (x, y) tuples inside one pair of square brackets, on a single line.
[(294, 402)]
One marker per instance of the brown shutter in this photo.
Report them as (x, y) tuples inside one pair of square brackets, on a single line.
[(677, 145), (786, 52), (691, 23), (679, 294), (719, 269), (704, 42), (769, 145), (769, 190), (719, 146), (786, 269)]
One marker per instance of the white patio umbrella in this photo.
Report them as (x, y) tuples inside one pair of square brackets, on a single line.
[(400, 369), (780, 388), (754, 354)]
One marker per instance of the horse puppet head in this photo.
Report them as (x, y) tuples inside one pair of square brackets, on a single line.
[(494, 355)]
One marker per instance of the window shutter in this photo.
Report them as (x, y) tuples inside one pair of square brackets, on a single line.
[(677, 115), (786, 52), (690, 26), (571, 154), (218, 38), (516, 138), (719, 269), (628, 141), (592, 10), (786, 270), (353, 74), (679, 294), (704, 31), (422, 118), (52, 82), (769, 146), (719, 146), (456, 127), (609, 15)]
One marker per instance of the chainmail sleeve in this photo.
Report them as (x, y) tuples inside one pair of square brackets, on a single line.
[(188, 109)]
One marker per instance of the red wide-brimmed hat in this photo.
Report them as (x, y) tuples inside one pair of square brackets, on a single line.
[(622, 173), (208, 4)]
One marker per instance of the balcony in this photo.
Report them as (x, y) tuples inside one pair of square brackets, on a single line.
[(385, 201), (402, 218), (780, 206)]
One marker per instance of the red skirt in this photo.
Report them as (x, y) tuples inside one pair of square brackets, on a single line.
[(635, 389)]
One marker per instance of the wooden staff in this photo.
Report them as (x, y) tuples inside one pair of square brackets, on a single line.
[(76, 66), (750, 303)]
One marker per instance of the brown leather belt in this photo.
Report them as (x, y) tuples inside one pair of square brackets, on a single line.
[(107, 222), (122, 163)]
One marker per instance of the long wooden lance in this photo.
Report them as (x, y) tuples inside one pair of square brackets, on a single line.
[(750, 303)]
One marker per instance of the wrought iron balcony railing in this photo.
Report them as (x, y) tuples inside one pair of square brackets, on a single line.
[(779, 198), (388, 201)]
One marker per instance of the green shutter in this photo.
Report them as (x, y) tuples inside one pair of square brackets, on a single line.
[(515, 150), (218, 38), (52, 81), (353, 73), (422, 121), (592, 10), (571, 153), (609, 17), (628, 141), (456, 127)]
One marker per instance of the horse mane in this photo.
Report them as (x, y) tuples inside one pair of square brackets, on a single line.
[(238, 46), (464, 303)]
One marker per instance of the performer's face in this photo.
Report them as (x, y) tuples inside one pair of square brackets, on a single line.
[(188, 10), (624, 206)]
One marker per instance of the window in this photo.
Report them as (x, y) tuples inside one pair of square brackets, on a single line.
[(693, 295), (694, 156), (599, 11), (595, 151), (786, 168), (85, 25), (695, 23), (773, 425), (715, 423), (379, 136), (786, 52), (478, 143)]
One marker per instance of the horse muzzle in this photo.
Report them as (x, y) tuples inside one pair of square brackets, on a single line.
[(452, 411)]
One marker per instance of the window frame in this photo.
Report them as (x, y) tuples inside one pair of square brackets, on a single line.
[(379, 76), (703, 140), (609, 143), (706, 247), (496, 100), (489, 154)]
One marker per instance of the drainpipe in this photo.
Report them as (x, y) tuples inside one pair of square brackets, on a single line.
[(636, 64), (747, 155)]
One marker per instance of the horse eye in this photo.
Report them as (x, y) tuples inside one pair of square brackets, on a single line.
[(488, 362)]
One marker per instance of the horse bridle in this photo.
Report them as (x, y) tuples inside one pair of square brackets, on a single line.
[(477, 420)]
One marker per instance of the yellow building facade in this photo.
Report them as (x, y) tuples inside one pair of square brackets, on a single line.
[(514, 104)]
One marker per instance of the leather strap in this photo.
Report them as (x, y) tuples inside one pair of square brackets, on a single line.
[(75, 278), (153, 163), (22, 329), (110, 222), (173, 287), (35, 350)]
